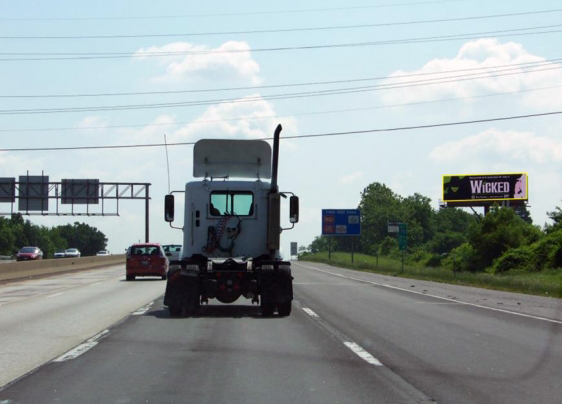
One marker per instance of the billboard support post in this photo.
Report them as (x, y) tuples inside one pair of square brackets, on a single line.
[(352, 250), (329, 248)]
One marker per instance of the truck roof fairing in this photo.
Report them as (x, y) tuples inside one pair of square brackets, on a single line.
[(232, 158)]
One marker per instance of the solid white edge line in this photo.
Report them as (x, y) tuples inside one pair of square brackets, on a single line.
[(81, 349), (437, 297), (366, 356), (56, 294)]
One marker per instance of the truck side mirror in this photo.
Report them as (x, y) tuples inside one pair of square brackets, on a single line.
[(169, 208), (294, 209)]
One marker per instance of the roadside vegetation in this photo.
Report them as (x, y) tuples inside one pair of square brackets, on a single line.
[(503, 250), (16, 233)]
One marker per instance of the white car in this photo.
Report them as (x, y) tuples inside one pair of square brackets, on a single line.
[(102, 253), (172, 251), (72, 253), (59, 254)]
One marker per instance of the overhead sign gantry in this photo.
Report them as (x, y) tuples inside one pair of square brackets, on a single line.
[(36, 195)]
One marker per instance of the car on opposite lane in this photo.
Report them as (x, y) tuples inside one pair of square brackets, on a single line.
[(29, 253), (59, 254), (172, 251), (72, 253), (146, 259), (102, 253)]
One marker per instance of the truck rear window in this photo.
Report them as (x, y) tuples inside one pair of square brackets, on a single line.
[(240, 203)]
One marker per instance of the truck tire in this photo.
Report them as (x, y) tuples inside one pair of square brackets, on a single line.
[(284, 309), (130, 277), (267, 308), (175, 311), (192, 299)]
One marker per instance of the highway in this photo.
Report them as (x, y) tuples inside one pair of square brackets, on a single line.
[(353, 337)]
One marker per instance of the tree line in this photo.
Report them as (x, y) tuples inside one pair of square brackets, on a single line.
[(503, 240), (15, 233)]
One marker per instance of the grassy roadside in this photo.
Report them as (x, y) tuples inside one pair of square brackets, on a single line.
[(545, 283)]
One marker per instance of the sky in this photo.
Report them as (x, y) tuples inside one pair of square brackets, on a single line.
[(107, 73)]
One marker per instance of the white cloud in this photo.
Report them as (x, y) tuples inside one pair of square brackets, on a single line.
[(250, 117), (232, 58), (348, 179), (92, 122), (14, 164), (482, 53), (493, 146), (402, 181)]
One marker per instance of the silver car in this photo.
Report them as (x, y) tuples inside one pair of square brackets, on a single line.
[(172, 251), (72, 253)]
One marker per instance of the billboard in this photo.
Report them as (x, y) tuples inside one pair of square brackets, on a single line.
[(341, 222), (80, 191), (33, 193), (7, 190), (485, 187)]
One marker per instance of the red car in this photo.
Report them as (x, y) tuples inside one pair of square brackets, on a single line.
[(29, 253), (146, 259)]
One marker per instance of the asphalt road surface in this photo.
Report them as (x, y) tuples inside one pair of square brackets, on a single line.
[(352, 338)]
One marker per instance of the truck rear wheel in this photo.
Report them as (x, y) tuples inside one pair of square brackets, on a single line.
[(284, 309), (267, 308), (175, 311)]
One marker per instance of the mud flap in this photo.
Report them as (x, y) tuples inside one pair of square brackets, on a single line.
[(276, 289), (182, 294)]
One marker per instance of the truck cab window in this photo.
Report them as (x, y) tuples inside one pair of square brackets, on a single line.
[(238, 203)]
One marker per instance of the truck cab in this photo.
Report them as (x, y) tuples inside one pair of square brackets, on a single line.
[(231, 230)]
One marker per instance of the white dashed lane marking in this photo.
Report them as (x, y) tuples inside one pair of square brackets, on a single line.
[(56, 294), (366, 356), (310, 312), (82, 348), (143, 310), (355, 348)]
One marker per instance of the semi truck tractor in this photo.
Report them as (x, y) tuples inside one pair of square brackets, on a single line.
[(231, 229)]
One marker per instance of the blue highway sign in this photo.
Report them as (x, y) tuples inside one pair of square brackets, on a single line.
[(341, 222)]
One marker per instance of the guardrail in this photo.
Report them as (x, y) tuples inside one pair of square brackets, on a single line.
[(26, 269)]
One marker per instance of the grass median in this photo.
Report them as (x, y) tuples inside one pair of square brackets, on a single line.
[(544, 283)]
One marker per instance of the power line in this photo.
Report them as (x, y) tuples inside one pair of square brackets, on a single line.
[(282, 116), (282, 30), (259, 98), (344, 81), (356, 132), (247, 13), (46, 56)]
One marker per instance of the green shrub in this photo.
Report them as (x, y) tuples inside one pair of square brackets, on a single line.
[(434, 261), (545, 251), (462, 258), (388, 246), (418, 255), (522, 258), (557, 258)]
